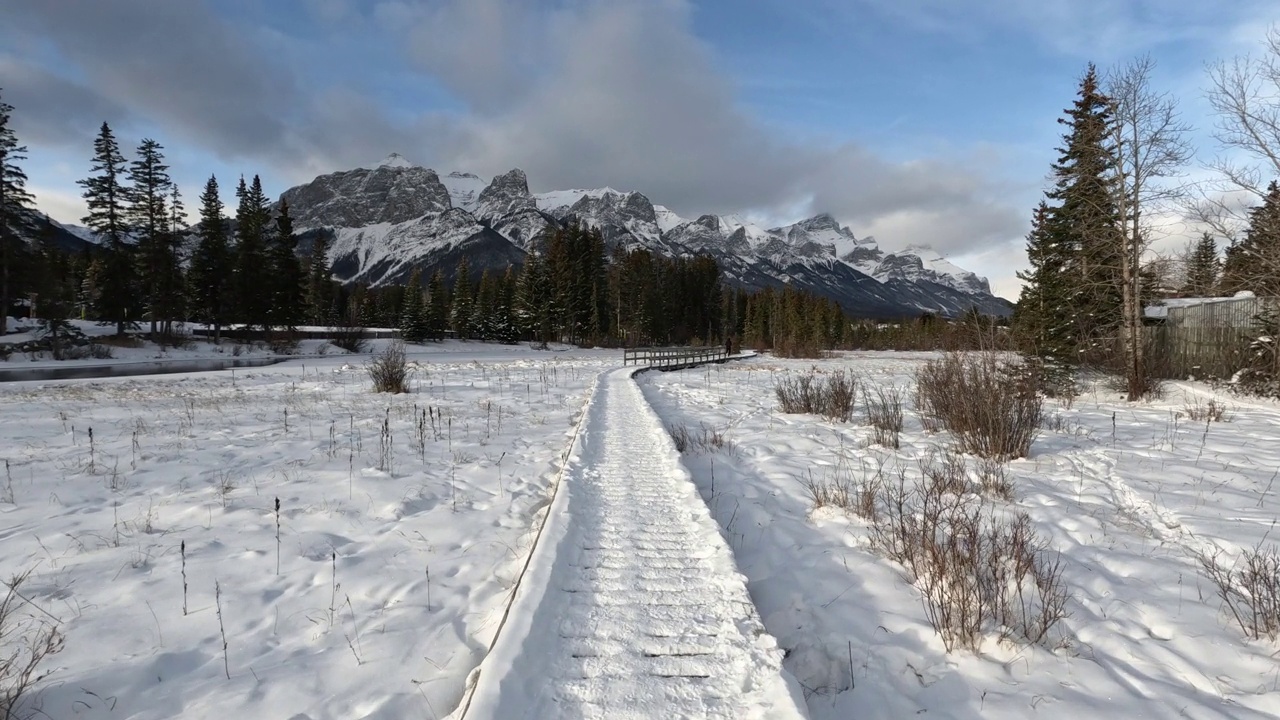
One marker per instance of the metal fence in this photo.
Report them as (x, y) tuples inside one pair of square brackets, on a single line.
[(1241, 312), (673, 358)]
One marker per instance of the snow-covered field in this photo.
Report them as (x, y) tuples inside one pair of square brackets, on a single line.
[(146, 508), (1128, 509), (397, 549)]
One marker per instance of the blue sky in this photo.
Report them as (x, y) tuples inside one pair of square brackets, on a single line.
[(931, 121)]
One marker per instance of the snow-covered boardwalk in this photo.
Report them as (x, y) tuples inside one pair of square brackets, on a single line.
[(633, 607)]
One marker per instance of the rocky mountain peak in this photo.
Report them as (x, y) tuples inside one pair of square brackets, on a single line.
[(506, 194), (360, 197)]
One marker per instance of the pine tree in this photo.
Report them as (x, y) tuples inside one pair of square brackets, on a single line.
[(1202, 268), (1086, 218), (1253, 263), (15, 208), (287, 285), (172, 286), (253, 282), (107, 199), (533, 299), (1044, 319), (319, 293), (413, 312), (483, 322), (437, 306), (506, 329), (463, 304), (147, 214), (211, 280)]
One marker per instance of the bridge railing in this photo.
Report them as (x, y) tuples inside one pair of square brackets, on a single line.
[(672, 358)]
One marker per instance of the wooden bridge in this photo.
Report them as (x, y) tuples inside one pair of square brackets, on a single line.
[(673, 358)]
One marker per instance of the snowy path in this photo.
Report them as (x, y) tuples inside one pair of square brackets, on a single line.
[(633, 606)]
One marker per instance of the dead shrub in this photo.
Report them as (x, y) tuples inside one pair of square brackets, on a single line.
[(831, 395), (26, 641), (348, 334), (979, 571), (284, 343), (1206, 411), (989, 404), (884, 414), (833, 491), (389, 371), (1250, 589), (705, 440)]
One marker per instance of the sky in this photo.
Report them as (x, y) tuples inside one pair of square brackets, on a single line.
[(921, 122)]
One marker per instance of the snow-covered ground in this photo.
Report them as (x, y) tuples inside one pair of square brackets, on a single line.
[(403, 521), (397, 555), (1128, 509)]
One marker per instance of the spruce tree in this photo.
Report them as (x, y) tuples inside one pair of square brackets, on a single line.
[(413, 311), (172, 286), (1202, 268), (253, 282), (147, 214), (463, 302), (506, 329), (483, 321), (15, 209), (533, 299), (287, 284), (1253, 263), (210, 278), (1087, 217), (1045, 318), (437, 306), (319, 292), (107, 199)]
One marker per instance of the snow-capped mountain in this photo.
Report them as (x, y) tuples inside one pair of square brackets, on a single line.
[(387, 220)]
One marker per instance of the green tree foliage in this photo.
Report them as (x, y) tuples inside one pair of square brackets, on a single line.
[(1253, 263), (147, 213), (286, 309), (1202, 269), (253, 286), (211, 281), (320, 291), (413, 314), (463, 300), (115, 281), (15, 209), (437, 306)]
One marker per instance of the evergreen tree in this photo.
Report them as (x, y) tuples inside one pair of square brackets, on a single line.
[(533, 299), (505, 328), (1202, 268), (1044, 318), (484, 314), (437, 306), (107, 198), (320, 294), (172, 286), (1086, 218), (463, 303), (211, 280), (1253, 263), (413, 313), (15, 208), (252, 274), (287, 285), (147, 214)]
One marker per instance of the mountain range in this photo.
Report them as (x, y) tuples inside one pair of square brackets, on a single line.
[(385, 221)]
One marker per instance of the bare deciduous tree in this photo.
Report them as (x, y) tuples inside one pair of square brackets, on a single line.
[(1150, 149), (1245, 95)]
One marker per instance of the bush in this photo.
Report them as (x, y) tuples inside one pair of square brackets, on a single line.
[(830, 395), (1206, 412), (389, 371), (979, 572), (884, 413), (283, 343), (707, 439), (1250, 589), (25, 642), (989, 404), (348, 334)]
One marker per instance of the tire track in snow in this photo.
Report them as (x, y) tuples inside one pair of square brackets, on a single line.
[(637, 609)]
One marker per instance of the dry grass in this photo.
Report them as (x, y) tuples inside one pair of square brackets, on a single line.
[(704, 440), (884, 414), (26, 641), (1206, 411)]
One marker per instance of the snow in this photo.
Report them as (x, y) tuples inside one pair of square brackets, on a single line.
[(391, 575), (550, 201), (667, 220), (636, 609), (395, 160), (464, 189), (1129, 510), (756, 235)]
